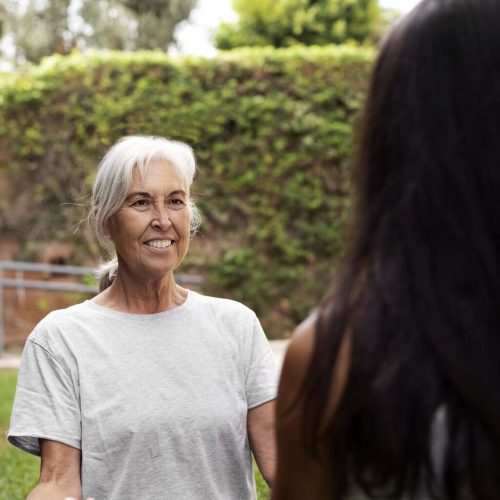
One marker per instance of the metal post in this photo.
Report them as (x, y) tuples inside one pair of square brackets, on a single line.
[(20, 282)]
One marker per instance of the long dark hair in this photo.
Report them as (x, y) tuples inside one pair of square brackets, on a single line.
[(418, 290)]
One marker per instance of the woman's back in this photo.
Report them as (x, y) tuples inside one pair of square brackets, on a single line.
[(417, 295)]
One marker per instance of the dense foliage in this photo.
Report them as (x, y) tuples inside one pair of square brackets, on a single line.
[(272, 130), (282, 23)]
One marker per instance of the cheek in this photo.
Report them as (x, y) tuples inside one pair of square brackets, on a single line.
[(127, 228), (183, 223)]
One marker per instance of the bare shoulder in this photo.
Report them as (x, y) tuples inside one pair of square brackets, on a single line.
[(296, 362), (301, 346), (302, 342), (299, 474)]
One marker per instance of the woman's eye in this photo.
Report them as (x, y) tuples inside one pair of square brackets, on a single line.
[(177, 201), (140, 203)]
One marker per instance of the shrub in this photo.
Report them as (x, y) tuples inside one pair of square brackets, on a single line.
[(272, 130)]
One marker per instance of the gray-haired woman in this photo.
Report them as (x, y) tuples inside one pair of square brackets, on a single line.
[(148, 390)]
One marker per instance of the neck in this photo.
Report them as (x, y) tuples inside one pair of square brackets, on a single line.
[(142, 296)]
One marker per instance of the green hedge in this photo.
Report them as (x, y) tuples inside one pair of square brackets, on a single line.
[(272, 130)]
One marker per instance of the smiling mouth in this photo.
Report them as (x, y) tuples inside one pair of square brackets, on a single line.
[(159, 243)]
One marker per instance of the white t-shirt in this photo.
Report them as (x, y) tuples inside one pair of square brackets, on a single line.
[(156, 402)]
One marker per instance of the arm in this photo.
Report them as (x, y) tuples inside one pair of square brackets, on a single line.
[(260, 424), (59, 472), (299, 475)]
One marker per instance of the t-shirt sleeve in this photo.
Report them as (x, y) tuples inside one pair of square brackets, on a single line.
[(45, 404), (262, 369)]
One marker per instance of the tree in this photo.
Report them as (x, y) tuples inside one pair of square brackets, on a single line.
[(39, 28), (106, 24), (282, 23), (157, 20), (3, 15), (133, 24)]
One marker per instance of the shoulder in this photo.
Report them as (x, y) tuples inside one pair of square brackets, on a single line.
[(301, 346), (229, 319), (296, 367), (64, 315), (296, 362), (299, 474), (222, 307), (57, 321)]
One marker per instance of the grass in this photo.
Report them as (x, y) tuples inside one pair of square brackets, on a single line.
[(19, 470)]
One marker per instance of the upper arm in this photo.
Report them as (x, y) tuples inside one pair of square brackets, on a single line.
[(261, 424), (261, 367), (59, 472), (300, 475), (46, 403)]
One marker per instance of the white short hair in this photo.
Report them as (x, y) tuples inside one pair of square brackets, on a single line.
[(116, 170)]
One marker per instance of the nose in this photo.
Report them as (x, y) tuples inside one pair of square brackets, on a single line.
[(161, 219)]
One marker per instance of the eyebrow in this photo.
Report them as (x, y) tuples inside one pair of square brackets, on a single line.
[(145, 194)]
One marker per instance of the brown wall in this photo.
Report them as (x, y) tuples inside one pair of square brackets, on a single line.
[(23, 308)]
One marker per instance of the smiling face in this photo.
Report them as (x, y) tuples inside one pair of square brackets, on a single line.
[(150, 230)]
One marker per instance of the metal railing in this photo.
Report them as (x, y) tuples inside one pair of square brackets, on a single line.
[(56, 286)]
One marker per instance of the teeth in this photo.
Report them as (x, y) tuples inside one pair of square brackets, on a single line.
[(159, 243)]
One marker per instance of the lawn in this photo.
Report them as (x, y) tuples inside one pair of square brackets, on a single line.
[(19, 470)]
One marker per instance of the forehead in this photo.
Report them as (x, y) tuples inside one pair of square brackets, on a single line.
[(159, 174)]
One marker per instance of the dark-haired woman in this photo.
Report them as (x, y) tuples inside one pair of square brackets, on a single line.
[(391, 388)]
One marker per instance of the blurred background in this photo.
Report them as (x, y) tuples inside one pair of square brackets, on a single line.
[(266, 92)]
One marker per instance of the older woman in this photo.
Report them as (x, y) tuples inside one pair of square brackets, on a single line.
[(149, 390)]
